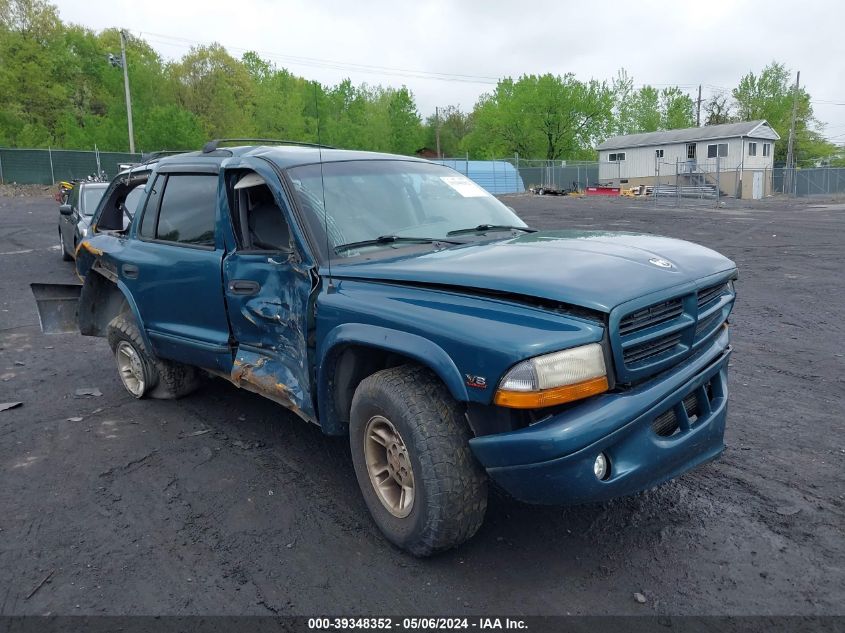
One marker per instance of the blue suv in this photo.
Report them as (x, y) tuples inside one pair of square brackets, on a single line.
[(394, 301)]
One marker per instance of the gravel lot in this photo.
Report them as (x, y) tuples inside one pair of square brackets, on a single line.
[(222, 503)]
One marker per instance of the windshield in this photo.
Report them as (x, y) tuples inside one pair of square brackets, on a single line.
[(91, 196), (371, 199)]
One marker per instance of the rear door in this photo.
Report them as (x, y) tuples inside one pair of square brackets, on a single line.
[(173, 269), (267, 291)]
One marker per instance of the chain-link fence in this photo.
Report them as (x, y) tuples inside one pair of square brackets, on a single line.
[(48, 166), (558, 175), (814, 181)]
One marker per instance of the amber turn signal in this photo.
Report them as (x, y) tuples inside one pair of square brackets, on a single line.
[(550, 397)]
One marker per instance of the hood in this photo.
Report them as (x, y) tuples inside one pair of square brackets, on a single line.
[(594, 270)]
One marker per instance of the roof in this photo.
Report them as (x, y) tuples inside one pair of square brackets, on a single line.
[(753, 129), (284, 156)]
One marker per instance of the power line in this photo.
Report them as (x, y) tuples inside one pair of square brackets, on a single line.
[(315, 62)]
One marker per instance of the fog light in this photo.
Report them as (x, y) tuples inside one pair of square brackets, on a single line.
[(600, 467)]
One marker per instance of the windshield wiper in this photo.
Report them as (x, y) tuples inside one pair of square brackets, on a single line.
[(390, 239), (483, 228)]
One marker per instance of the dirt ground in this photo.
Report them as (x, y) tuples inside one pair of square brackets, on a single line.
[(222, 503)]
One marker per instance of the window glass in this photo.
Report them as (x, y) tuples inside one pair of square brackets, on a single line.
[(720, 150), (691, 150), (368, 199), (148, 222), (658, 153), (752, 149), (188, 210), (74, 197), (612, 158), (91, 196), (767, 149)]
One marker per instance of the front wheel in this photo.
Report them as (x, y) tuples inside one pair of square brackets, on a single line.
[(410, 449)]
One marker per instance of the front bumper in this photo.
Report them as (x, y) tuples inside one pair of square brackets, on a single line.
[(551, 461)]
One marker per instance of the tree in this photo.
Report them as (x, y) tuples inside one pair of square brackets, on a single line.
[(717, 110), (218, 89), (649, 109), (676, 109), (769, 96), (406, 133), (542, 115), (455, 126)]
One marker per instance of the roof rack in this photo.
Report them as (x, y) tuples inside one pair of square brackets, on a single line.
[(213, 145)]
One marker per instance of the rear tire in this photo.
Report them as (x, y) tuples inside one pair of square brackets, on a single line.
[(142, 373), (410, 449)]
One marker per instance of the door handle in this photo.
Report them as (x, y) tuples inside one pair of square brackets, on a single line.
[(130, 271), (244, 287)]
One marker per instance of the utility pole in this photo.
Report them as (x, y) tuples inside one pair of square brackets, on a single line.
[(126, 89), (790, 148), (698, 108), (437, 129)]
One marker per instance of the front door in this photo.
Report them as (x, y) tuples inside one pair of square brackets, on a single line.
[(267, 293)]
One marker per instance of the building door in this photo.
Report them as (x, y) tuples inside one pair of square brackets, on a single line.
[(757, 185)]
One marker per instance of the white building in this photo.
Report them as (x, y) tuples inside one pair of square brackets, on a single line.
[(741, 153)]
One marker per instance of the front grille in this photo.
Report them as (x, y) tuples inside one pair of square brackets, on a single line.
[(706, 295), (654, 347), (649, 339), (652, 315)]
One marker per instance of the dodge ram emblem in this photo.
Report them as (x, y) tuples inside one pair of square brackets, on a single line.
[(662, 263)]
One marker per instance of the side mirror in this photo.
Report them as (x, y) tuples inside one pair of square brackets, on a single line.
[(66, 209)]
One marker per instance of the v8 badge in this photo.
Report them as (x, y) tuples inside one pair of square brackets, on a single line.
[(479, 382)]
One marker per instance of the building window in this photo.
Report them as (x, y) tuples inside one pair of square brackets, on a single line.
[(616, 157), (658, 153), (752, 149), (767, 149), (719, 150), (691, 151)]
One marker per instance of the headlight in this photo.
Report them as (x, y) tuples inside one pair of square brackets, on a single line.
[(555, 378)]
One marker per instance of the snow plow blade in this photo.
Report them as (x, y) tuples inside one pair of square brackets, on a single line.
[(57, 306)]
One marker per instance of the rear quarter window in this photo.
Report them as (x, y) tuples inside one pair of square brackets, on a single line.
[(188, 210)]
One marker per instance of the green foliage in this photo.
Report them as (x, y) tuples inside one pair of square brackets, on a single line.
[(58, 89), (455, 126), (648, 109), (542, 115), (769, 96)]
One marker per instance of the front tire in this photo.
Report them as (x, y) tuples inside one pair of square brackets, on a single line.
[(142, 373), (410, 450)]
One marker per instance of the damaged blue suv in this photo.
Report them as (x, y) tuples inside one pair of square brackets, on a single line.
[(394, 301)]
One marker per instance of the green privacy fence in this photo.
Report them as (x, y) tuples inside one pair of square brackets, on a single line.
[(46, 166)]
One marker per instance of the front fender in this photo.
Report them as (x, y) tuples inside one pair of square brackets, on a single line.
[(421, 349)]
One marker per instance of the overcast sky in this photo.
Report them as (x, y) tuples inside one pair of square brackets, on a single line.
[(468, 44)]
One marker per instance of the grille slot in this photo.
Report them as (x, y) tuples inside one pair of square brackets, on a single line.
[(706, 295), (666, 424), (652, 315), (651, 348), (707, 324)]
